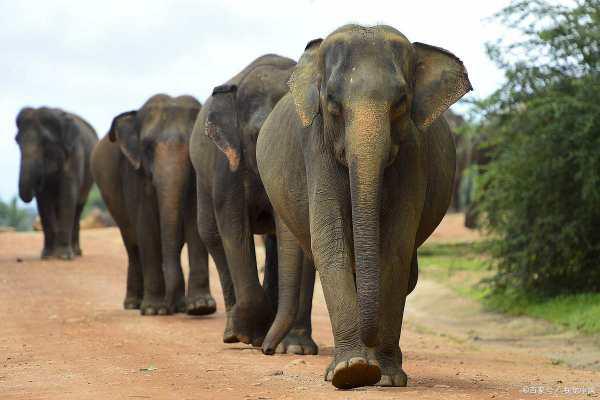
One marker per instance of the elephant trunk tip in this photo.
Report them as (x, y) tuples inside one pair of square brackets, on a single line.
[(26, 195), (268, 351)]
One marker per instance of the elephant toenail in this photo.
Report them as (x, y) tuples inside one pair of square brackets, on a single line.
[(340, 366), (385, 380), (329, 376), (295, 349), (356, 361)]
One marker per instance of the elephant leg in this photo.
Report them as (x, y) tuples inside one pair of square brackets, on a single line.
[(252, 314), (353, 364), (414, 273), (48, 218), (399, 271), (135, 280), (290, 276), (148, 238), (66, 209), (270, 280), (75, 238), (199, 300), (209, 234), (299, 339), (394, 286)]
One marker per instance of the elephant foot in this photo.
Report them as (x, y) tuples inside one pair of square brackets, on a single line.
[(64, 253), (47, 253), (176, 302), (298, 341), (132, 303), (229, 335), (181, 305), (77, 251), (349, 371), (398, 380), (252, 321), (201, 304), (153, 307), (392, 373)]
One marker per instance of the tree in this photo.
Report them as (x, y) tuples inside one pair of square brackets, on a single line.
[(541, 192), (13, 216)]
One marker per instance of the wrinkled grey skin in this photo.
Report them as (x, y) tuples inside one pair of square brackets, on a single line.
[(233, 205), (55, 169), (144, 173), (361, 176)]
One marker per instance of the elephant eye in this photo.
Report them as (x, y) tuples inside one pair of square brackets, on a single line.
[(399, 106)]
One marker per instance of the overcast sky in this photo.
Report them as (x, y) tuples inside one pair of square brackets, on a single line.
[(100, 58)]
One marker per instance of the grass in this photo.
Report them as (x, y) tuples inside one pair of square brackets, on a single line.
[(579, 312), (464, 266)]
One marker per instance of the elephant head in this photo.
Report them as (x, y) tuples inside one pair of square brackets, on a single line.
[(372, 89), (154, 140), (46, 138), (237, 110)]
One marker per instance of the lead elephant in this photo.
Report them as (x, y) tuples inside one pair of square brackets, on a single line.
[(233, 205), (359, 170), (144, 173), (55, 168)]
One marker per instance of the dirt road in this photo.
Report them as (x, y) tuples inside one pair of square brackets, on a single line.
[(63, 335)]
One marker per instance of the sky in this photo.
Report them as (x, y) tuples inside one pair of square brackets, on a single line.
[(100, 58)]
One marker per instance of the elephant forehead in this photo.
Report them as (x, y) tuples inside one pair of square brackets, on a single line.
[(367, 35), (383, 49)]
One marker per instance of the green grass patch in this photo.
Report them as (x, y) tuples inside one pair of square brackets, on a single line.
[(464, 266), (444, 260), (579, 312)]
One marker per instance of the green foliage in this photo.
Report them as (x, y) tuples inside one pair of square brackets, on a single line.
[(94, 201), (541, 194), (464, 267), (12, 216)]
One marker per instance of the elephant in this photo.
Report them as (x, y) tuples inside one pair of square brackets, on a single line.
[(144, 173), (359, 167), (55, 168), (233, 205)]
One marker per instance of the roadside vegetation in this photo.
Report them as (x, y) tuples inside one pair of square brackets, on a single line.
[(538, 194), (468, 269), (15, 217), (94, 201)]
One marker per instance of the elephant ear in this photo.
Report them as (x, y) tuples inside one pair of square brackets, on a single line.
[(222, 124), (60, 128), (305, 83), (69, 132), (124, 130), (440, 81)]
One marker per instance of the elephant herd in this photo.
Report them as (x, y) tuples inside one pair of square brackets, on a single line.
[(342, 162)]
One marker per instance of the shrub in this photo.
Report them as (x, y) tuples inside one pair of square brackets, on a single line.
[(541, 192)]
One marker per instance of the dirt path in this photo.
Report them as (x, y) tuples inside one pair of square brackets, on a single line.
[(63, 335)]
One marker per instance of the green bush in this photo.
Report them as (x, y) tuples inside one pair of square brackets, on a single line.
[(541, 193), (11, 215), (94, 201)]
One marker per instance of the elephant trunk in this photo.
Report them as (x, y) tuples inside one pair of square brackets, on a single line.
[(367, 151), (171, 175), (29, 178)]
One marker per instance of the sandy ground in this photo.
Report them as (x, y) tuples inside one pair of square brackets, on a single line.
[(63, 335)]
